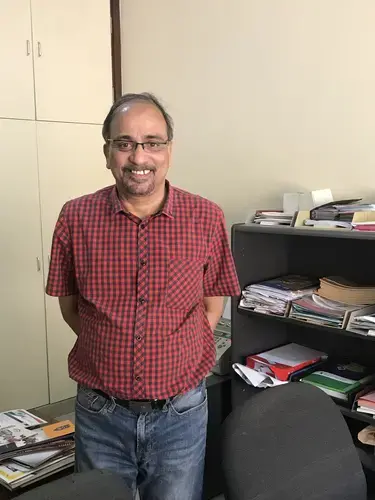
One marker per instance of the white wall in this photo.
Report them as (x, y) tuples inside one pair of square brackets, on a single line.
[(267, 95)]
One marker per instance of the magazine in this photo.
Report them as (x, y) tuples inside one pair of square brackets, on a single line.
[(14, 436)]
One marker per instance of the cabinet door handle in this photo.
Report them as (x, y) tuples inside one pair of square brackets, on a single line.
[(39, 49), (28, 47), (38, 266)]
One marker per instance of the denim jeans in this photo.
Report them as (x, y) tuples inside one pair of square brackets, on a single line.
[(161, 453)]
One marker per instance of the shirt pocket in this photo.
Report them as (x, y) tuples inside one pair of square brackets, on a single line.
[(184, 283)]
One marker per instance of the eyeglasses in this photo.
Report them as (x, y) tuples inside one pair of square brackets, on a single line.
[(128, 146)]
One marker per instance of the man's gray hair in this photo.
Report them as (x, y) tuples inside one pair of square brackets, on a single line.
[(143, 97)]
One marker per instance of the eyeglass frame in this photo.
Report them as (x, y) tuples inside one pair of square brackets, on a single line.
[(136, 144)]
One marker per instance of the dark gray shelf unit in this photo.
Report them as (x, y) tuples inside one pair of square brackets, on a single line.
[(263, 252)]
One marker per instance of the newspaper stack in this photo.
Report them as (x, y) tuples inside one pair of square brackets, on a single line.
[(31, 449), (274, 296)]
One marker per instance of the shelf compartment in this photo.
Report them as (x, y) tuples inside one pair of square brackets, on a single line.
[(338, 331)]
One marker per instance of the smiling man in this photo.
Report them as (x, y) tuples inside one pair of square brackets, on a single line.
[(141, 270)]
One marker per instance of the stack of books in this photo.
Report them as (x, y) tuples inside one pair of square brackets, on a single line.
[(31, 449), (275, 295), (366, 403), (320, 311), (341, 381), (342, 290)]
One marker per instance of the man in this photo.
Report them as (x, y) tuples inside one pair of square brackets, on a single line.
[(141, 269)]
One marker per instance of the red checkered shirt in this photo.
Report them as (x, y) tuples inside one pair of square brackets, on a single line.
[(140, 286)]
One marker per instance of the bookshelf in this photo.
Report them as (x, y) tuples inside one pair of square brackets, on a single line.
[(264, 252)]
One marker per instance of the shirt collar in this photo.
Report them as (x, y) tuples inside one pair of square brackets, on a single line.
[(166, 210)]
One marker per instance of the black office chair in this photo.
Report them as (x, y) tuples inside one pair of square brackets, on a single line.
[(290, 443), (92, 485)]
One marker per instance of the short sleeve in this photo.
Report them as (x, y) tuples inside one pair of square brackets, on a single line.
[(220, 279), (61, 280)]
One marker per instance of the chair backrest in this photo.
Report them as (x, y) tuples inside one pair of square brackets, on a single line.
[(290, 443), (92, 485)]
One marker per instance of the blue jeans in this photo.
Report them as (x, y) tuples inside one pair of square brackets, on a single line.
[(161, 452)]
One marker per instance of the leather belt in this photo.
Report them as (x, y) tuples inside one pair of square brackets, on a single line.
[(136, 405)]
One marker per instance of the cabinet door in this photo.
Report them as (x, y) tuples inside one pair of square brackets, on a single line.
[(71, 163), (16, 60), (73, 69), (23, 358)]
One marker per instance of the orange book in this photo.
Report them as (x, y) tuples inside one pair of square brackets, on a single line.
[(58, 429)]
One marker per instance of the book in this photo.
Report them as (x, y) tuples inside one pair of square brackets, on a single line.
[(340, 380), (366, 403), (283, 361), (37, 458), (24, 417)]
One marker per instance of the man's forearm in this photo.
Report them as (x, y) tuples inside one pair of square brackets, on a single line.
[(69, 311), (74, 322), (214, 309)]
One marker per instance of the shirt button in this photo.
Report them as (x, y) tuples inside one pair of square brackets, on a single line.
[(142, 262), (142, 300), (138, 378), (142, 226), (138, 337)]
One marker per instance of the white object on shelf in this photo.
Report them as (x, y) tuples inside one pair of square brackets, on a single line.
[(255, 378)]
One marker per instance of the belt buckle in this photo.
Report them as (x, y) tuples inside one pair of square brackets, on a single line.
[(141, 406)]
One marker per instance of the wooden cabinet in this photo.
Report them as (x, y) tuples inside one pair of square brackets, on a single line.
[(16, 60), (23, 356), (71, 164), (72, 59), (55, 91), (61, 53)]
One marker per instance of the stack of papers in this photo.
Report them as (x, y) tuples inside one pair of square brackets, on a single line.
[(31, 450), (274, 296), (272, 218), (320, 311)]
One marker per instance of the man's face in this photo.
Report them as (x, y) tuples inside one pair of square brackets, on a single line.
[(138, 172)]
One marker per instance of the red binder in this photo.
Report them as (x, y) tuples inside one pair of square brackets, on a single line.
[(283, 361)]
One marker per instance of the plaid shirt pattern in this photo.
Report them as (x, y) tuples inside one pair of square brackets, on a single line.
[(140, 286)]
